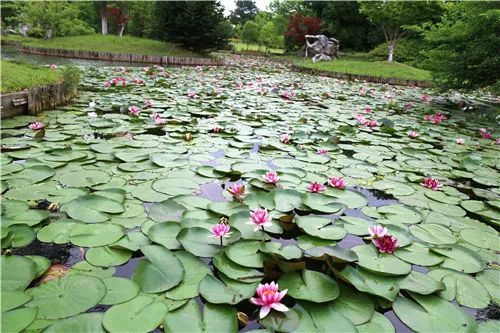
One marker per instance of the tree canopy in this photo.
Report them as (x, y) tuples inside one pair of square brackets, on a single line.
[(244, 11)]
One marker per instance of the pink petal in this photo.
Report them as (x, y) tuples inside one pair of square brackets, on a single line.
[(264, 311), (279, 307), (256, 301)]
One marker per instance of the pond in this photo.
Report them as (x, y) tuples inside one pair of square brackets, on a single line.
[(108, 211)]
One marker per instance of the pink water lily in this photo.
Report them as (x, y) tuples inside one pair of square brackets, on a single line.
[(337, 182), (148, 103), (216, 129), (322, 151), (269, 297), (459, 141), (287, 94), (316, 187), (271, 177), (412, 134), (237, 190), (360, 119), (377, 231), (435, 118), (431, 183), (137, 81), (285, 138), (36, 126), (260, 218), (192, 94), (134, 110), (486, 135), (368, 109), (53, 66), (386, 244), (371, 123), (497, 141), (408, 106), (221, 230), (426, 98)]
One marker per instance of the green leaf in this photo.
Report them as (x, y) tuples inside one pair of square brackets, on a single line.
[(89, 235), (66, 296), (188, 318), (107, 256), (17, 272), (82, 323), (140, 315), (14, 321), (119, 290), (382, 263), (319, 318), (161, 270), (432, 314), (310, 286), (234, 271)]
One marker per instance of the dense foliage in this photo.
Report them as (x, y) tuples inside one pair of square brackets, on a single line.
[(463, 48), (300, 25), (245, 10), (198, 25)]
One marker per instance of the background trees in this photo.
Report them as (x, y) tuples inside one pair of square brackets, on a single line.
[(244, 11), (198, 25), (394, 16)]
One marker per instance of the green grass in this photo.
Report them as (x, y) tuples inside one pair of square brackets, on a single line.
[(358, 64), (107, 43), (239, 47), (18, 76)]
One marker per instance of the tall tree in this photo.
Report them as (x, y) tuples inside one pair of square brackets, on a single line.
[(463, 46), (198, 25), (393, 16), (245, 11), (250, 33), (300, 26), (102, 5)]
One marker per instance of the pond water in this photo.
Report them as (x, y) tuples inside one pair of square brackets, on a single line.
[(137, 196)]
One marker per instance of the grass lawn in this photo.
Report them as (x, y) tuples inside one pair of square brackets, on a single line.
[(18, 76), (357, 64), (239, 46), (107, 43)]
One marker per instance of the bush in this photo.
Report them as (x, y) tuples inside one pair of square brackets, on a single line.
[(74, 28), (36, 32), (407, 51)]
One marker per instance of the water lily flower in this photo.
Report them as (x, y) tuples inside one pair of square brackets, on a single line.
[(368, 109), (221, 230), (386, 244), (412, 134), (361, 119), (36, 126), (107, 84), (431, 183), (192, 94), (260, 218), (322, 151), (92, 115), (377, 231), (159, 121), (134, 110), (285, 138), (460, 141), (408, 106), (216, 129), (148, 103), (138, 81), (146, 69), (486, 135), (316, 187), (371, 123), (426, 98), (337, 182), (271, 177), (53, 66), (237, 190), (269, 297), (287, 94)]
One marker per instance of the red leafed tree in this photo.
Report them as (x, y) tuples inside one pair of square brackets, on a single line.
[(300, 25), (119, 16)]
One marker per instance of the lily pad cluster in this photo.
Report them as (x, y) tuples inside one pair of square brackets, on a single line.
[(138, 198)]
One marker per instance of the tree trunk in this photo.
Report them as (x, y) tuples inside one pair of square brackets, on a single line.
[(392, 47), (122, 27), (104, 18)]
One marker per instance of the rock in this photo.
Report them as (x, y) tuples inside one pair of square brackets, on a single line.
[(321, 47)]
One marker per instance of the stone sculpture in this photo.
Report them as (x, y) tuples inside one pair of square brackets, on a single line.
[(321, 47)]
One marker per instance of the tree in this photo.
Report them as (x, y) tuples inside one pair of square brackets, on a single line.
[(342, 20), (250, 33), (102, 5), (300, 25), (268, 35), (393, 16), (244, 11), (463, 47), (197, 25), (50, 18)]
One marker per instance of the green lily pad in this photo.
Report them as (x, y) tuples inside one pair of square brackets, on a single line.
[(310, 286)]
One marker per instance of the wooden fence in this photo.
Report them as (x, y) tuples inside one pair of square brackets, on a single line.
[(35, 100), (367, 78), (108, 56)]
